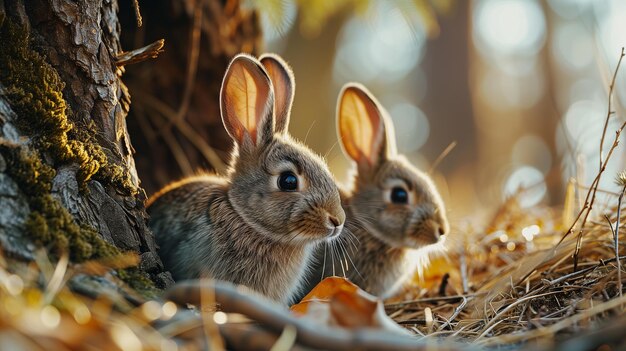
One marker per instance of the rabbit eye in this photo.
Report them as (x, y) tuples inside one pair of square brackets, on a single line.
[(399, 195), (288, 181)]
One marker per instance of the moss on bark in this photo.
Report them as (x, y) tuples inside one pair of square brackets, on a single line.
[(35, 92), (49, 223)]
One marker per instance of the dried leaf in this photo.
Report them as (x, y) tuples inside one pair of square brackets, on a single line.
[(336, 301)]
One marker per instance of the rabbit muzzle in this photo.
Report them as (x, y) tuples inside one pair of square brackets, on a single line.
[(334, 232)]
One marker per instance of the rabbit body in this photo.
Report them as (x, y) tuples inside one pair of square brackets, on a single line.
[(257, 225), (392, 208), (209, 239)]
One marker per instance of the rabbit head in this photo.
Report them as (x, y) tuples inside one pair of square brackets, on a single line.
[(393, 200), (277, 186)]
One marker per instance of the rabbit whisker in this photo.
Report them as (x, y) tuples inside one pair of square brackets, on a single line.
[(354, 266), (343, 260), (309, 131), (348, 258), (338, 251), (351, 238), (331, 149), (332, 256), (324, 264)]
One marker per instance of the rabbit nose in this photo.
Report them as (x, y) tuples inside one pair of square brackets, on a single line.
[(334, 220), (444, 227), (437, 229)]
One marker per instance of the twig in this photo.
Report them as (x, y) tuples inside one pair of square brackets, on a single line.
[(604, 191), (457, 311), (603, 163), (616, 239), (512, 305), (198, 141), (441, 156), (589, 199), (444, 284), (244, 336), (192, 64), (554, 328), (149, 51), (432, 299), (464, 271), (177, 151), (210, 328), (609, 111), (137, 13)]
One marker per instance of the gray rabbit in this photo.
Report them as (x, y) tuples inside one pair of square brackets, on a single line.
[(391, 208), (257, 225)]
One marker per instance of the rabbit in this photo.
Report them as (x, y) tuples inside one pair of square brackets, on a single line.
[(258, 225), (392, 208)]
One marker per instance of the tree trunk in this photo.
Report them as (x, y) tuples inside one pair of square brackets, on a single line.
[(67, 174), (68, 180)]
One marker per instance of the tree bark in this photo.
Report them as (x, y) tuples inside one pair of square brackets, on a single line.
[(80, 41)]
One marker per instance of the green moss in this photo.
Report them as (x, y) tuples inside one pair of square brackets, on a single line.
[(49, 223), (36, 94), (139, 281), (35, 91), (107, 172)]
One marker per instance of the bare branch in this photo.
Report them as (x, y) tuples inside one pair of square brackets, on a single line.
[(147, 52)]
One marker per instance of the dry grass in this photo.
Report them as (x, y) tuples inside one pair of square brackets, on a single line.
[(525, 281), (522, 288), (528, 296)]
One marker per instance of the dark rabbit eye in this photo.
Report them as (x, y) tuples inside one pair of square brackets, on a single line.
[(287, 181), (399, 195)]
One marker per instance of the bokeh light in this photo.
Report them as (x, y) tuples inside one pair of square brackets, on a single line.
[(528, 184), (81, 314), (381, 47), (169, 309), (504, 92), (531, 149), (573, 46), (570, 9), (50, 317), (413, 127), (220, 317), (509, 27), (125, 338)]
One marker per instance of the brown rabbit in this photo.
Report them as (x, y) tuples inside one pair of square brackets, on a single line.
[(392, 208), (257, 225)]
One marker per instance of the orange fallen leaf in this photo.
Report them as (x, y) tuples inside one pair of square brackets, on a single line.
[(336, 301)]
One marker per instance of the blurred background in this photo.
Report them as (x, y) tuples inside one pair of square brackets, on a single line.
[(515, 90)]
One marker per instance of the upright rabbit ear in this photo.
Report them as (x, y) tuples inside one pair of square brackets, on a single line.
[(284, 87), (363, 127), (246, 101)]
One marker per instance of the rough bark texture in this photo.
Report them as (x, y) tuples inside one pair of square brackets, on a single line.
[(80, 40), (13, 205)]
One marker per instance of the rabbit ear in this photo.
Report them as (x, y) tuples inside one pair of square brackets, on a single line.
[(363, 127), (246, 101), (284, 87)]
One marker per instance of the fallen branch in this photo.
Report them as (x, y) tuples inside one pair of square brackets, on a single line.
[(238, 299)]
